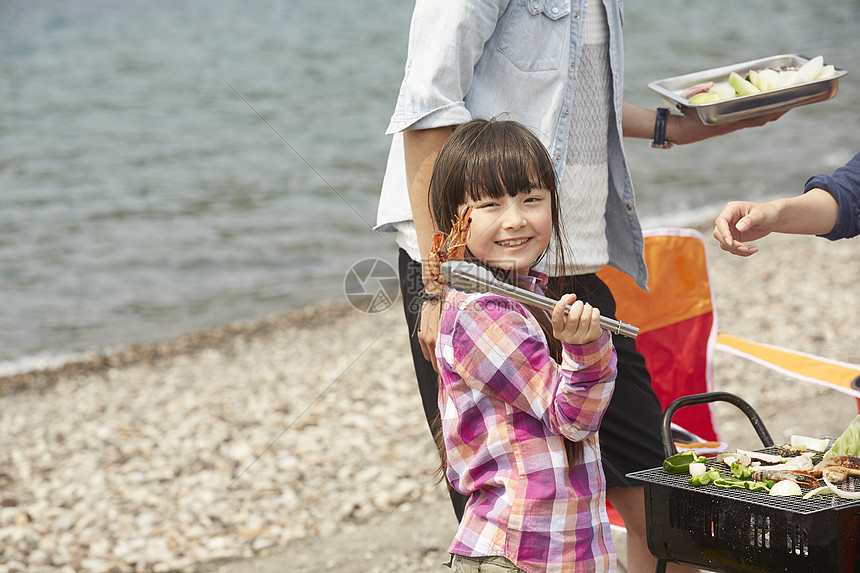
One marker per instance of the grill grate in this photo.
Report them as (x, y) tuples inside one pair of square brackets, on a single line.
[(792, 503)]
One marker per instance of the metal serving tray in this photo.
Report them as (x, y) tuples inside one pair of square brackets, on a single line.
[(742, 107)]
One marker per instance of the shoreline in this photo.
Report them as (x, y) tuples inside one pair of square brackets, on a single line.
[(216, 337), (300, 438), (52, 367)]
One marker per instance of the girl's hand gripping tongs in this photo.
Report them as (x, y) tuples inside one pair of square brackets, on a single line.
[(469, 276)]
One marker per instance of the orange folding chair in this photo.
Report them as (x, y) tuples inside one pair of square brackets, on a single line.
[(840, 376), (677, 324)]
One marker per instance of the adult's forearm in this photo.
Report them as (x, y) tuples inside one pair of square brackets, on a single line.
[(639, 122), (813, 213), (421, 146)]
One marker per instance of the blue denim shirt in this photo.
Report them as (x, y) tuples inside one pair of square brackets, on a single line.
[(844, 185), (517, 59)]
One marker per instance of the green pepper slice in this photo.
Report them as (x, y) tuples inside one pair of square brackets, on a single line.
[(759, 486), (730, 483), (741, 472), (709, 476), (680, 462)]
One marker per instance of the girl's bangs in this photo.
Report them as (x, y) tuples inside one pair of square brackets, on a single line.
[(507, 167)]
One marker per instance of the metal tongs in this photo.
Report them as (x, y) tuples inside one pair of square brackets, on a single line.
[(469, 276)]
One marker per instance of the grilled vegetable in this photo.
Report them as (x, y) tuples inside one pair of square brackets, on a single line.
[(767, 458), (704, 479), (785, 488), (729, 458), (741, 472), (680, 462), (817, 444), (838, 491), (697, 468), (848, 443), (736, 483), (818, 491)]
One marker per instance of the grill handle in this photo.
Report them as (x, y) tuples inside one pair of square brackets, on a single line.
[(706, 398)]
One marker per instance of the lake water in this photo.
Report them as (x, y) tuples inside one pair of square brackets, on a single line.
[(168, 166)]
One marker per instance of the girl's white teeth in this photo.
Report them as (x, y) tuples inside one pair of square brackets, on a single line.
[(513, 243)]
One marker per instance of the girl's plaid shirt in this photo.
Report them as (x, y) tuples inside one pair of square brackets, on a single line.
[(506, 408)]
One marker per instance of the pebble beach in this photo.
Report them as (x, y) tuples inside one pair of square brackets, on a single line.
[(299, 440)]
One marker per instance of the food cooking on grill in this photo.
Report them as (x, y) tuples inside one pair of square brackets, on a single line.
[(785, 488), (797, 477), (680, 462), (803, 467), (848, 443), (698, 468), (757, 81), (748, 472), (801, 463), (838, 468), (818, 444)]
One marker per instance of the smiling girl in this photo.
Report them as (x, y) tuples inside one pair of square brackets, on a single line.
[(521, 391)]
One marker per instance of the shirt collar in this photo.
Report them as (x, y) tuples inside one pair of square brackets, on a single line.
[(535, 281)]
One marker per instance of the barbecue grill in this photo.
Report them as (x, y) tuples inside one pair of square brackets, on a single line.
[(738, 530)]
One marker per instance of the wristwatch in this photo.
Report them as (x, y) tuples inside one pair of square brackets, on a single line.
[(659, 141)]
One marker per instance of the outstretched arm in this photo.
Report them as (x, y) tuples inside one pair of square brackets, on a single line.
[(813, 213)]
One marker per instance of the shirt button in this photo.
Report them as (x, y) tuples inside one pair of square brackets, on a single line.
[(629, 207), (576, 15), (566, 112), (571, 65), (555, 10), (558, 157)]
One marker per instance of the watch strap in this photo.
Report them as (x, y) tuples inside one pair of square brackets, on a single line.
[(659, 141)]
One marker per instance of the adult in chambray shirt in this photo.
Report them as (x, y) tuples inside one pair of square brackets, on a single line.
[(557, 67)]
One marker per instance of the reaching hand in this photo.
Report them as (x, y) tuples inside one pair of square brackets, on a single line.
[(579, 325), (743, 221)]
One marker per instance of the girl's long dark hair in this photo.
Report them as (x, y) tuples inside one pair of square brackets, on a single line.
[(494, 158)]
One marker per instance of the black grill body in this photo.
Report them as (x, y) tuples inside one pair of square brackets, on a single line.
[(742, 531), (736, 530)]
